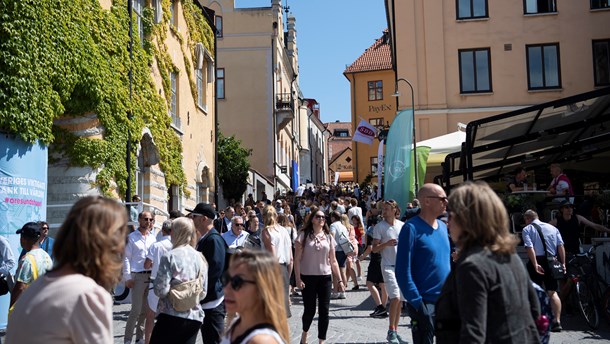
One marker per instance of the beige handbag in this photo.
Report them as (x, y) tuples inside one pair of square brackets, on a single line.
[(184, 296)]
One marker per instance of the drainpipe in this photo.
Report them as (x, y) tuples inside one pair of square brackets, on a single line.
[(273, 102)]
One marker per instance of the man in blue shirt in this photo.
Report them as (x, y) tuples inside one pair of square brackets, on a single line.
[(423, 261), (236, 237)]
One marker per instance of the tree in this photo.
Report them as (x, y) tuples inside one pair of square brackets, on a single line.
[(233, 166)]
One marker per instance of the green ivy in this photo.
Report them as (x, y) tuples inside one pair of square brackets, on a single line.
[(65, 58), (233, 166)]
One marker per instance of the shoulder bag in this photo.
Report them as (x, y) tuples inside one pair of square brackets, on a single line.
[(184, 296), (345, 244), (555, 265)]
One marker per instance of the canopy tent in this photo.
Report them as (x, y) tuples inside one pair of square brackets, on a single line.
[(442, 145), (574, 131)]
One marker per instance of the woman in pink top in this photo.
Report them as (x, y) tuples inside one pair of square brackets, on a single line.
[(313, 264)]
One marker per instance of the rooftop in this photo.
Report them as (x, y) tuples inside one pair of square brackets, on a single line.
[(377, 57)]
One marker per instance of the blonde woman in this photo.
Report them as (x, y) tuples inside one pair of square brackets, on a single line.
[(353, 257), (182, 264), (276, 240), (488, 297), (253, 288), (71, 303)]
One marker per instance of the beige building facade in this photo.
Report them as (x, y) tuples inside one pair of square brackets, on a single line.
[(191, 107), (371, 80), (259, 100), (470, 59)]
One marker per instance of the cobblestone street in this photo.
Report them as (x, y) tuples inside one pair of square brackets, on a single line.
[(350, 323)]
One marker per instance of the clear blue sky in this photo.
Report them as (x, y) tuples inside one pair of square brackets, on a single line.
[(331, 34)]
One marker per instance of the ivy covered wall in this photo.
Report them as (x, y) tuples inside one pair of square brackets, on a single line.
[(66, 58)]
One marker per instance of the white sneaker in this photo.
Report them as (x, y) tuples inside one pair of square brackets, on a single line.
[(341, 296), (334, 296)]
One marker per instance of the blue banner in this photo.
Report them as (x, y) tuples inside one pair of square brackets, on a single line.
[(397, 163), (295, 175), (23, 194)]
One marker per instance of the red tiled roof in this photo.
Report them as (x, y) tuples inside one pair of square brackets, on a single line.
[(377, 57)]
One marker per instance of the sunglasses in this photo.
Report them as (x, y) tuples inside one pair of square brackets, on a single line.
[(148, 219), (238, 224), (320, 217), (236, 281), (444, 199)]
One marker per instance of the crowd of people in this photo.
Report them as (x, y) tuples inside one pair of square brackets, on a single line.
[(230, 274)]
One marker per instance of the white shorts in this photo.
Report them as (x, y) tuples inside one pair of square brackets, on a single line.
[(153, 300), (391, 284)]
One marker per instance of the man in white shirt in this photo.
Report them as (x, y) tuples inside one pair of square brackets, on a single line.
[(236, 237), (136, 276), (354, 210), (385, 241), (153, 258)]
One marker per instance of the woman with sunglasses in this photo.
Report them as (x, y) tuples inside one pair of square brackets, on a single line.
[(488, 297), (182, 264), (313, 264), (254, 289)]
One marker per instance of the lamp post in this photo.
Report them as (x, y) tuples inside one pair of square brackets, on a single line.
[(129, 114), (397, 94)]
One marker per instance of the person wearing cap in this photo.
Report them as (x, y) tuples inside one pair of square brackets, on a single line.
[(214, 249), (136, 275), (569, 225), (35, 263)]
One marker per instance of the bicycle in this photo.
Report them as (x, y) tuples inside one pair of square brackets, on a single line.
[(581, 273)]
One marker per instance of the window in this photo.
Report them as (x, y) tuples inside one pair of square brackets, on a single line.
[(138, 7), (374, 165), (539, 6), (158, 8), (172, 13), (376, 122), (598, 4), (173, 108), (218, 24), (601, 62), (468, 9), (200, 88), (220, 83), (175, 199), (376, 90), (543, 66), (341, 133), (475, 70)]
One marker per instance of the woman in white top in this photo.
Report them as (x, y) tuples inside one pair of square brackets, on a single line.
[(253, 288), (276, 240), (182, 264), (71, 303)]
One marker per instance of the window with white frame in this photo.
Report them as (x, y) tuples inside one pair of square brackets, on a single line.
[(471, 9), (475, 70), (543, 68), (601, 62), (220, 83), (173, 108), (138, 8), (200, 88)]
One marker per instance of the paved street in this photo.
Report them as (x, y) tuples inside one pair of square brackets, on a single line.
[(350, 323)]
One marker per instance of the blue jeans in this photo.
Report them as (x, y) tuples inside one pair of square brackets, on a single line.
[(422, 323)]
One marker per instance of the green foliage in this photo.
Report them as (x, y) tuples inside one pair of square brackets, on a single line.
[(233, 166), (64, 58), (366, 181)]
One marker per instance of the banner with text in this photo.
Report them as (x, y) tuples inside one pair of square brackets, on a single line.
[(23, 194), (364, 133)]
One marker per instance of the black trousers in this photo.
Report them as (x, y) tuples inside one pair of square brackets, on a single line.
[(316, 286), (171, 329), (213, 324)]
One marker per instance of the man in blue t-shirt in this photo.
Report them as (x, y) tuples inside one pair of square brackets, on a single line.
[(423, 261)]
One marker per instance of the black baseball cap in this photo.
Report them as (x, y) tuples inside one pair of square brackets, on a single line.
[(30, 230), (566, 204), (204, 209)]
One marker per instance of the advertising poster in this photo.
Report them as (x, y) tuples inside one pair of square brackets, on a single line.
[(23, 194)]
